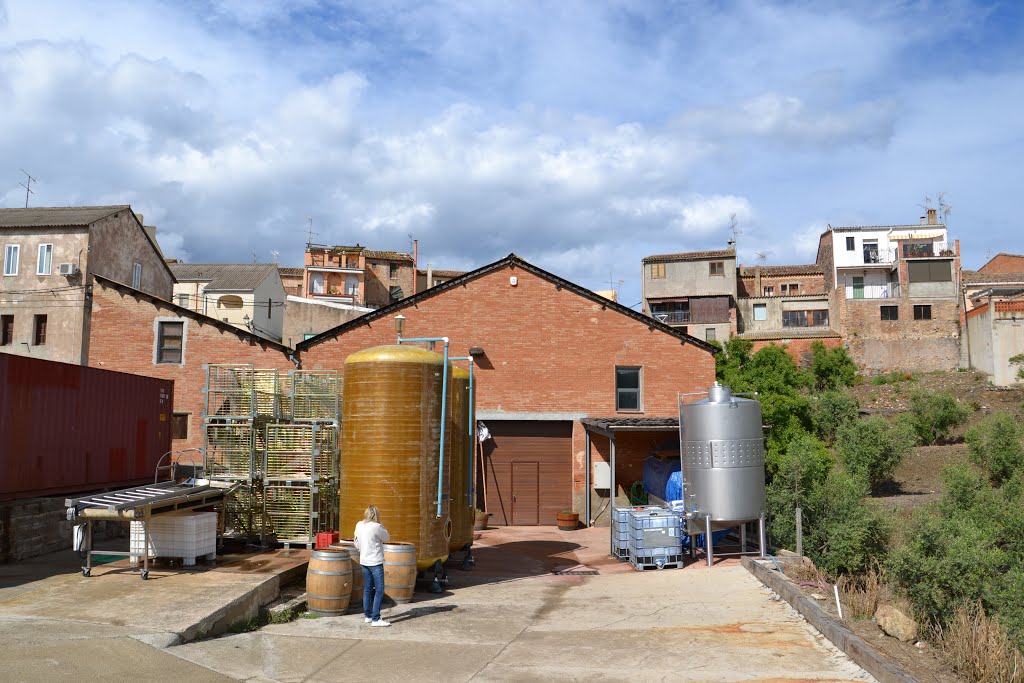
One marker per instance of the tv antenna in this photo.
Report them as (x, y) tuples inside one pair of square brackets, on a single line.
[(927, 203), (734, 228), (309, 240), (762, 256), (275, 256), (28, 185), (944, 207), (613, 284)]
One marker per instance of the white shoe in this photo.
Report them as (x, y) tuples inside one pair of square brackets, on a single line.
[(380, 622), (367, 620)]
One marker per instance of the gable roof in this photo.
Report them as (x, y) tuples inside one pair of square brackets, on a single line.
[(290, 272), (507, 262), (910, 226), (224, 276), (690, 256), (991, 264), (387, 255), (976, 277), (183, 312), (56, 216), (437, 272)]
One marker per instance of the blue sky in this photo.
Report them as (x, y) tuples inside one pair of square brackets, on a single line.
[(580, 135)]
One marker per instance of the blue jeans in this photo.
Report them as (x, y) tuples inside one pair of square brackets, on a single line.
[(373, 590)]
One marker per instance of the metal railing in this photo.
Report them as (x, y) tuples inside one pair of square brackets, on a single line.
[(673, 317), (889, 290)]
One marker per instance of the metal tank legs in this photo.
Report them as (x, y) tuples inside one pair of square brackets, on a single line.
[(440, 578), (467, 559)]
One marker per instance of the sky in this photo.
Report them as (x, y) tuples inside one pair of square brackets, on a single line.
[(582, 136)]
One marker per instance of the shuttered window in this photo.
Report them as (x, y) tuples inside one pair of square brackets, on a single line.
[(170, 341)]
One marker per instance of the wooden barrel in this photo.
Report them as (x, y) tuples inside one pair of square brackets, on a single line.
[(399, 571), (357, 571), (328, 582)]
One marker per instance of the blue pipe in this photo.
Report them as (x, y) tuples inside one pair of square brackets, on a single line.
[(444, 410)]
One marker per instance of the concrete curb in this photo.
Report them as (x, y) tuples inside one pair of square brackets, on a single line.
[(856, 648)]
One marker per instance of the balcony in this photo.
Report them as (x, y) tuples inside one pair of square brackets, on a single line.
[(673, 317), (890, 290), (927, 250)]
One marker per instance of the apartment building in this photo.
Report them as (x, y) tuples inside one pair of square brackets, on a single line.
[(429, 277), (249, 296), (692, 292), (894, 293), (50, 258), (357, 276)]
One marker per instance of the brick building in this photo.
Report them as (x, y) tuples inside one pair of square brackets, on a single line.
[(358, 276), (50, 257), (137, 332), (549, 354), (895, 293), (1004, 263)]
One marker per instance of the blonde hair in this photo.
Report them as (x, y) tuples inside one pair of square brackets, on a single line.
[(372, 514)]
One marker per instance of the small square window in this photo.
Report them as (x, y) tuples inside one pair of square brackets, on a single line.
[(657, 271), (627, 388), (136, 275), (716, 268), (183, 300), (39, 330), (760, 311), (709, 334), (179, 426), (11, 259), (393, 271), (922, 312), (768, 291), (890, 312), (850, 246)]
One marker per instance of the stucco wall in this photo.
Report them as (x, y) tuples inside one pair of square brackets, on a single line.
[(269, 306), (1007, 341), (117, 242), (302, 318), (61, 299), (690, 278), (906, 344), (774, 306)]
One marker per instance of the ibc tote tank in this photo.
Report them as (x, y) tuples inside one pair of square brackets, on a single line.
[(458, 441), (391, 417), (722, 447)]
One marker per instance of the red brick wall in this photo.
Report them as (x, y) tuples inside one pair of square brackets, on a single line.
[(123, 339), (809, 284), (1004, 263), (800, 349), (379, 281)]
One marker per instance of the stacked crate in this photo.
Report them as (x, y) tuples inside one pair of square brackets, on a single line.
[(620, 529), (655, 539), (184, 535), (276, 436)]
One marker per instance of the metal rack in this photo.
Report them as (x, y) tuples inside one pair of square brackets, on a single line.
[(230, 392), (315, 396)]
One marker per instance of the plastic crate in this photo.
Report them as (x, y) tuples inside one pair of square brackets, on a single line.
[(654, 532), (188, 536)]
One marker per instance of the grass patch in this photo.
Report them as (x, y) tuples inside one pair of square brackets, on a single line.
[(861, 594), (892, 377), (978, 648)]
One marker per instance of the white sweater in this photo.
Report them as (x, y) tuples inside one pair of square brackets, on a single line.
[(370, 538)]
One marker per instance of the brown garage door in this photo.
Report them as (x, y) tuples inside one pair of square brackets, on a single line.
[(529, 471)]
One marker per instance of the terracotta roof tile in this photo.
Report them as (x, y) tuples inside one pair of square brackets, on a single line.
[(690, 256), (58, 216), (224, 276)]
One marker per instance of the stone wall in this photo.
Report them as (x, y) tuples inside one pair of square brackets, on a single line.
[(37, 526), (905, 344)]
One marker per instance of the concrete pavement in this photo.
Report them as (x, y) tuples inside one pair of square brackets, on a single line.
[(510, 618)]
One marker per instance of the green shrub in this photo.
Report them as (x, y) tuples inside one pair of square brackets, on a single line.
[(832, 368), (843, 533), (1018, 360), (803, 467), (995, 445), (873, 448), (934, 415), (829, 411), (892, 377)]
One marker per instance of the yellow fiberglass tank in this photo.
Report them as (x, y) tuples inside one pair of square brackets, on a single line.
[(391, 417), (458, 442)]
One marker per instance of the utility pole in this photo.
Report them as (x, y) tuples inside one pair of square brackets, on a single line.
[(28, 185)]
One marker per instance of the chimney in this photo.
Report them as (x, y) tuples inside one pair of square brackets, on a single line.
[(415, 264), (924, 221), (142, 219), (933, 217), (430, 276)]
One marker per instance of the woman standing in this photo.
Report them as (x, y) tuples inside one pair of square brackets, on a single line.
[(370, 537)]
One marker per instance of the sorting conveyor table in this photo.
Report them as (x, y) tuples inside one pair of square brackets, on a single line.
[(140, 504)]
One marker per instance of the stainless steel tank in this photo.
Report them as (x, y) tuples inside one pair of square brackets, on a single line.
[(722, 448)]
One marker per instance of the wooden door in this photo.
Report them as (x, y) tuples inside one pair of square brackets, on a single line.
[(544, 448), (526, 493), (858, 288)]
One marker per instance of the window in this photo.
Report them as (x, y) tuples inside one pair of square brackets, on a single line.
[(627, 388), (716, 269), (39, 330), (183, 300), (170, 340), (6, 330), (709, 334), (45, 262), (308, 335), (890, 312), (850, 246), (657, 271), (395, 293), (136, 275), (672, 312), (760, 311), (231, 301), (393, 270), (871, 252), (929, 271), (922, 312), (768, 291), (791, 289), (179, 426), (816, 318), (11, 259)]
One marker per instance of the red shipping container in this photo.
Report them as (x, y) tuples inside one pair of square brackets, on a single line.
[(325, 538), (67, 428)]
